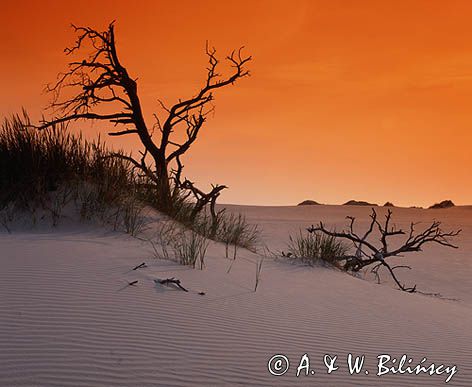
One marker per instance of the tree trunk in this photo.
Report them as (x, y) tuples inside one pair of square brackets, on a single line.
[(163, 187)]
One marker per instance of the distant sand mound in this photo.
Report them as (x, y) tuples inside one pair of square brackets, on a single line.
[(308, 203), (443, 204), (389, 204), (358, 203)]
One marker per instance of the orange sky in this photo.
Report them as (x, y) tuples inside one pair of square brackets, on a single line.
[(363, 100)]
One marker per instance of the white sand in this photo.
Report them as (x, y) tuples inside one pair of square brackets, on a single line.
[(67, 317)]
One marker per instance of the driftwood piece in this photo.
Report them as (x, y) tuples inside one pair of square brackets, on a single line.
[(140, 266), (172, 281), (368, 253)]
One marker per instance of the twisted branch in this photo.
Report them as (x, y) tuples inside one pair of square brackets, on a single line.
[(378, 255)]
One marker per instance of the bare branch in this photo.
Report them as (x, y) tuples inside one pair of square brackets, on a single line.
[(378, 255), (74, 117), (123, 132)]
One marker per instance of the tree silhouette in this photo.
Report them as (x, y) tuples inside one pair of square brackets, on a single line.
[(100, 82)]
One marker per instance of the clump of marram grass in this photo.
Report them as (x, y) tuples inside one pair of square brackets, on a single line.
[(237, 232), (51, 169), (165, 236), (188, 245), (231, 229), (132, 215), (315, 247), (44, 173), (190, 249), (174, 242), (7, 215)]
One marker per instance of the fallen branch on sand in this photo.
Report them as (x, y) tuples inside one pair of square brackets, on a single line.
[(171, 281), (367, 253)]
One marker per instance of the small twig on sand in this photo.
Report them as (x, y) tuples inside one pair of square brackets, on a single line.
[(140, 266), (173, 281), (132, 283)]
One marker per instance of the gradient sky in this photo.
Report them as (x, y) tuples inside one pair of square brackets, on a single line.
[(366, 100)]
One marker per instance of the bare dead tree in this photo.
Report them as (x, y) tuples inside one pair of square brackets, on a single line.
[(367, 253), (100, 82)]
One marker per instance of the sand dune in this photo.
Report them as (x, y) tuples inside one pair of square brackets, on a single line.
[(68, 318)]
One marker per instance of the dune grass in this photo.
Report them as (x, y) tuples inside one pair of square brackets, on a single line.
[(312, 248), (235, 231), (50, 170), (53, 169)]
